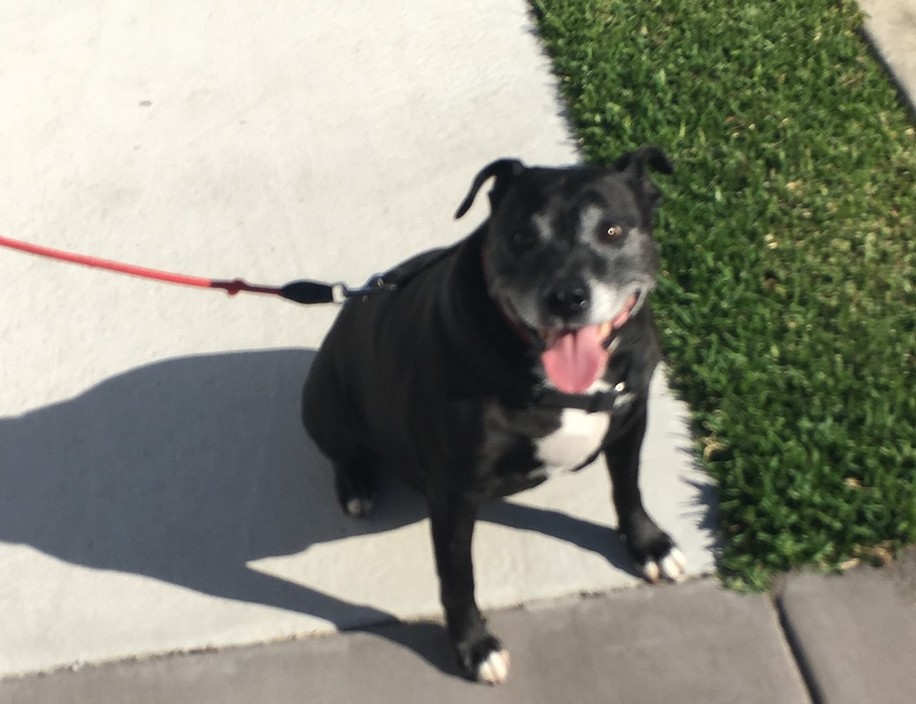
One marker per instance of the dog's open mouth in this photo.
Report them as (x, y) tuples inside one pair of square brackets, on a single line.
[(575, 358)]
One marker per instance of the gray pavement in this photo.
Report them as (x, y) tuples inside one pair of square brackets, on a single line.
[(686, 643), (829, 640), (167, 534), (855, 634)]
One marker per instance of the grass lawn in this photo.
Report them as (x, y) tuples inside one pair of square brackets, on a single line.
[(788, 294)]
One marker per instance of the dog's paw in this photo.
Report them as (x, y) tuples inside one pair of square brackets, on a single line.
[(655, 553), (671, 566), (485, 660), (495, 669), (356, 489)]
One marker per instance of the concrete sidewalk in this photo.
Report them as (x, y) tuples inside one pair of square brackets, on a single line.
[(159, 494), (891, 27), (161, 508)]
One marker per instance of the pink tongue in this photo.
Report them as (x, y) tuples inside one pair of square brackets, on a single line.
[(575, 359)]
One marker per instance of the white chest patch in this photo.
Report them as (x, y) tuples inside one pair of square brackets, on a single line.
[(576, 440)]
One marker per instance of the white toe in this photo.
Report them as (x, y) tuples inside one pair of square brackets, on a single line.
[(673, 565), (359, 507), (495, 669), (650, 571)]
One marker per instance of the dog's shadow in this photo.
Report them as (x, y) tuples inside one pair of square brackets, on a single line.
[(188, 469)]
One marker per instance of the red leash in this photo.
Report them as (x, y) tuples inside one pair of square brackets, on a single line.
[(233, 287), (297, 291)]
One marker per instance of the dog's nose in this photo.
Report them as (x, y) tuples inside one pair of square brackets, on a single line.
[(568, 299)]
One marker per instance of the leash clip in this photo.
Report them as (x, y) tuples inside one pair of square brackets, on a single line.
[(375, 284)]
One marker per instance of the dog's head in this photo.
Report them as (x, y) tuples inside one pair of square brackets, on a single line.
[(569, 256)]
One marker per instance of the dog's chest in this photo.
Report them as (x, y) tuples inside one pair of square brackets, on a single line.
[(574, 442)]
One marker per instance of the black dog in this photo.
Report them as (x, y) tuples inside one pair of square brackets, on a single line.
[(525, 349)]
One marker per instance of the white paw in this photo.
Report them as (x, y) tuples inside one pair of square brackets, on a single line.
[(495, 669), (673, 567), (359, 508)]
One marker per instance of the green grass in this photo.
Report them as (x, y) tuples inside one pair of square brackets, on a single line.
[(787, 299)]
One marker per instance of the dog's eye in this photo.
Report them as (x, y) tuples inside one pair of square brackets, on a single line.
[(609, 233)]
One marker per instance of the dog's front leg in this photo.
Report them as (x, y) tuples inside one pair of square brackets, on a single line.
[(480, 655), (652, 548)]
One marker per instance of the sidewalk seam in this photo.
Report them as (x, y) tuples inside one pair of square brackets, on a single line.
[(798, 656)]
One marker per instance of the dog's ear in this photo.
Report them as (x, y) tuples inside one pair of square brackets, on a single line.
[(504, 170), (635, 165), (650, 156)]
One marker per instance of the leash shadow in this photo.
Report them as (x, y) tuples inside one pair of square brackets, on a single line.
[(187, 470)]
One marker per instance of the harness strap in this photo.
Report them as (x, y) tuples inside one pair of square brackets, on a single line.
[(600, 401)]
